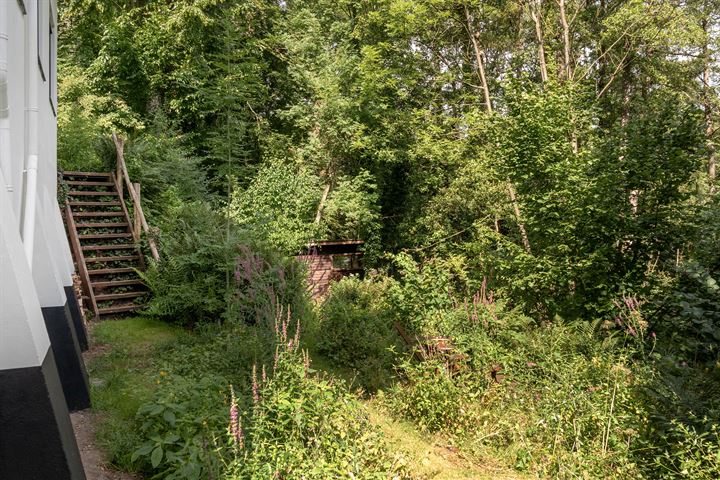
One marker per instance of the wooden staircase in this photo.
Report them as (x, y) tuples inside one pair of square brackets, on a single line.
[(104, 243)]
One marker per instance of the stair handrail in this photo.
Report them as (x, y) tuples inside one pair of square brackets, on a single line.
[(80, 257), (122, 172)]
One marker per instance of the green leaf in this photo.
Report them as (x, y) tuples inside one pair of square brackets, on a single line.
[(169, 417), (142, 451), (156, 457), (156, 410)]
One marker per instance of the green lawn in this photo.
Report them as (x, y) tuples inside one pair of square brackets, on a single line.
[(123, 373)]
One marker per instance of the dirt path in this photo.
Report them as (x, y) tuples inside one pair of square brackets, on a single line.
[(93, 458)]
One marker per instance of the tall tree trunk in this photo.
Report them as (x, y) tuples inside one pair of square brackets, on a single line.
[(536, 14), (479, 62), (708, 110), (634, 196), (488, 105), (567, 67), (321, 205), (566, 73), (518, 217)]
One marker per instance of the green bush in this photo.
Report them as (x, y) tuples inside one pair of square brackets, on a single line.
[(279, 206), (556, 400), (302, 426), (688, 452), (355, 331), (431, 398), (192, 284), (265, 284), (167, 171), (207, 276), (180, 428)]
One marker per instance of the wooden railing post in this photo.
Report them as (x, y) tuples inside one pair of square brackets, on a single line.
[(134, 195), (137, 223), (119, 149)]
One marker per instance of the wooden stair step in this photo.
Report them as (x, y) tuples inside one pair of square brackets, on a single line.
[(102, 225), (120, 258), (70, 173), (101, 236), (94, 204), (89, 193), (119, 309), (118, 296), (99, 214), (111, 271), (119, 246), (90, 183), (117, 283)]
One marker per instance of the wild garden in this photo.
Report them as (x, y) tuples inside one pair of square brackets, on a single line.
[(535, 183)]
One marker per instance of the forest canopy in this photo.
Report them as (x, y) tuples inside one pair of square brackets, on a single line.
[(564, 148), (560, 154)]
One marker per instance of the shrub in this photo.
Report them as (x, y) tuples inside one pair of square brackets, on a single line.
[(557, 400), (266, 282), (688, 452), (279, 206), (191, 285), (302, 426), (180, 428), (167, 172), (355, 330), (211, 273), (431, 398)]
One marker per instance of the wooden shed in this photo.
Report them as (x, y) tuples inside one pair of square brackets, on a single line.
[(329, 261)]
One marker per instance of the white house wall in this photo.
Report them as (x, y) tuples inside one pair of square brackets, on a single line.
[(24, 340), (42, 374), (17, 52)]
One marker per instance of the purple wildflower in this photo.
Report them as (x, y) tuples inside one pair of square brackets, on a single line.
[(306, 361), (255, 388), (297, 333), (235, 427)]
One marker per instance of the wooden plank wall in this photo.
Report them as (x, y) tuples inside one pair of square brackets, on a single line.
[(320, 273)]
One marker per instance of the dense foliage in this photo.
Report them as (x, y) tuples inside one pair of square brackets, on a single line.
[(535, 182)]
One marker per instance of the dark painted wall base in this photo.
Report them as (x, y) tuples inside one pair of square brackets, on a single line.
[(36, 437), (70, 364), (77, 318)]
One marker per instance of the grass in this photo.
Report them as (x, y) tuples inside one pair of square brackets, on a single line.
[(125, 369), (123, 375), (432, 456), (429, 456)]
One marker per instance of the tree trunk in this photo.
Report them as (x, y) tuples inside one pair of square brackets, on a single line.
[(488, 105), (567, 67), (537, 18), (479, 54), (521, 225), (634, 196), (708, 110), (318, 215)]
